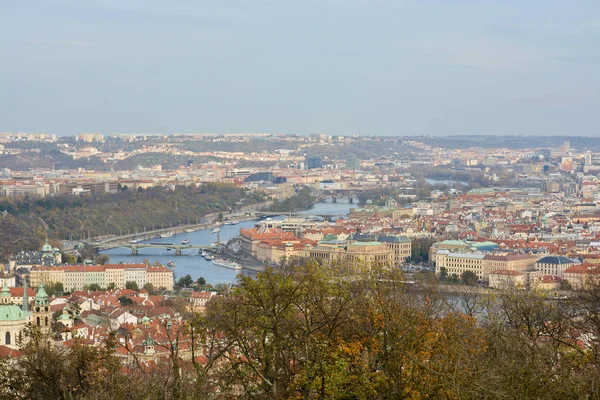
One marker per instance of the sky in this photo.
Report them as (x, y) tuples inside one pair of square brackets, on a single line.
[(339, 67)]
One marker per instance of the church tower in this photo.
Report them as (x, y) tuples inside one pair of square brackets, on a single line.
[(42, 315)]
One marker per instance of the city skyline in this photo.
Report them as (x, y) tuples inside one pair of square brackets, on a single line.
[(339, 68)]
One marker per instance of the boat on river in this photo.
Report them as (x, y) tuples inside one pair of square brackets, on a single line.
[(227, 264), (166, 235), (215, 230), (185, 241), (171, 264)]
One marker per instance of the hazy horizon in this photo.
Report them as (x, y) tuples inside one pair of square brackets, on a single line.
[(388, 67)]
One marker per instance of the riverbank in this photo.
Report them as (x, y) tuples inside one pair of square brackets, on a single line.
[(209, 221)]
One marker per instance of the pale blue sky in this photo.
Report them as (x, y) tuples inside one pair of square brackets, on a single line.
[(388, 67)]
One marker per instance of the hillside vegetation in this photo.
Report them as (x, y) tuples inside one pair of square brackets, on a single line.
[(29, 220)]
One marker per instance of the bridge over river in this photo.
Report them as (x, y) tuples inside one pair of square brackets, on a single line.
[(136, 247)]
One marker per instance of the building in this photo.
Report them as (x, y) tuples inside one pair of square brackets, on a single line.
[(200, 299), (351, 254), (14, 318), (401, 245), (251, 237), (77, 277), (554, 265), (314, 162), (352, 163), (482, 264), (582, 276), (451, 245), (160, 277), (274, 251), (459, 263), (507, 262), (91, 137), (501, 278)]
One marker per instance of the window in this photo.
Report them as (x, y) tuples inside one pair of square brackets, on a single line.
[(7, 338)]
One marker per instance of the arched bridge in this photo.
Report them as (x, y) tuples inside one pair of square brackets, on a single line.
[(135, 247)]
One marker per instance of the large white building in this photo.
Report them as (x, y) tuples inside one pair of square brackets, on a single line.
[(76, 277)]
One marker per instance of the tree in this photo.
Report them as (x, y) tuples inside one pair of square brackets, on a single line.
[(94, 287), (185, 281), (102, 259), (69, 258), (149, 287), (443, 274), (125, 301), (111, 286), (469, 278), (54, 289), (131, 285), (201, 281), (453, 279)]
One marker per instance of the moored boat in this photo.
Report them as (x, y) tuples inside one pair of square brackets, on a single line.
[(227, 264)]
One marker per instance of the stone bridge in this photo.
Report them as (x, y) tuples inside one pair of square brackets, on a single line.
[(135, 247)]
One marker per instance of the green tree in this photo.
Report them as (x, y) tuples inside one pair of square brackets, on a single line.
[(69, 258), (94, 287), (125, 301), (131, 285), (469, 278), (443, 274), (201, 281), (185, 281), (149, 287)]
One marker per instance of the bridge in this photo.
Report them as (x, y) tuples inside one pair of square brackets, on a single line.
[(293, 214), (350, 193), (135, 247)]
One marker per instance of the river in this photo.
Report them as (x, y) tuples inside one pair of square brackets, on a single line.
[(190, 262)]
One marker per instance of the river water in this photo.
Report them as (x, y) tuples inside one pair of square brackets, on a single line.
[(190, 262)]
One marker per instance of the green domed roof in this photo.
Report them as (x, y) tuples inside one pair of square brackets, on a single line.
[(46, 248), (41, 297), (64, 316), (149, 341), (5, 292), (11, 312), (145, 319)]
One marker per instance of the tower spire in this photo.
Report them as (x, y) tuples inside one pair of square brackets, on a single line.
[(25, 305)]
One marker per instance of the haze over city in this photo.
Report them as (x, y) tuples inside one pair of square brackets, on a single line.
[(334, 67)]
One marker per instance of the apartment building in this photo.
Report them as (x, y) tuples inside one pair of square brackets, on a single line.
[(160, 277), (75, 277), (458, 263), (482, 264)]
